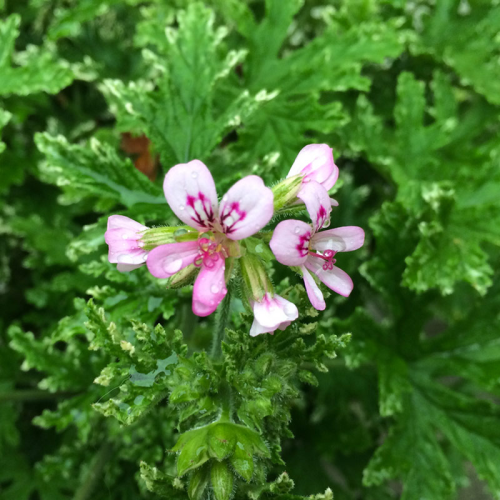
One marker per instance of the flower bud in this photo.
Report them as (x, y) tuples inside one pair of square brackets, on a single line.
[(222, 481), (183, 277), (198, 483), (255, 278), (272, 313), (285, 192), (156, 236)]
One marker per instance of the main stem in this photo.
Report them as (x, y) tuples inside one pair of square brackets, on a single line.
[(93, 475), (220, 324)]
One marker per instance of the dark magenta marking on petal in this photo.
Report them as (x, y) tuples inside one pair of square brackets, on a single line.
[(303, 245), (206, 222), (232, 211), (321, 217)]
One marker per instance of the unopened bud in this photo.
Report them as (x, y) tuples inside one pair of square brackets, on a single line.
[(255, 278), (198, 483), (222, 480), (183, 277), (156, 236), (285, 192)]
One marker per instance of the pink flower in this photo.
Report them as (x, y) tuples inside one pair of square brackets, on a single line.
[(123, 237), (245, 209), (295, 243), (315, 162), (272, 313)]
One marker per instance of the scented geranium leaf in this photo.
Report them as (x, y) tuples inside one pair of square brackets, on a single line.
[(68, 21), (424, 160), (442, 258), (412, 453), (63, 416), (467, 41), (470, 424), (330, 62), (35, 70), (194, 98), (162, 484), (4, 119), (145, 360), (470, 347), (95, 170), (63, 372)]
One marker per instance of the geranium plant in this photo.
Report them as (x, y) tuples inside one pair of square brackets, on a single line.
[(248, 250)]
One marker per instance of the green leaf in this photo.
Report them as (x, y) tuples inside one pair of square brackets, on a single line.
[(193, 447), (422, 159), (4, 119), (467, 42), (332, 61), (197, 99), (161, 484), (95, 170), (36, 70)]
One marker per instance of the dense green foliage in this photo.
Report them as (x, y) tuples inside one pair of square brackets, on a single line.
[(110, 387)]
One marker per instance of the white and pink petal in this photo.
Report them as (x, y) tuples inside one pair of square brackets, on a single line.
[(315, 162), (190, 191), (272, 311), (340, 239), (123, 238), (246, 208), (290, 242), (209, 288), (166, 260), (314, 294), (335, 279), (317, 202)]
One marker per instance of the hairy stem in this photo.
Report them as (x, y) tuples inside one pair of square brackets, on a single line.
[(89, 484), (220, 324)]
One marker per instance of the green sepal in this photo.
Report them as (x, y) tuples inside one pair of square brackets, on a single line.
[(184, 277), (242, 459), (193, 449), (221, 440), (222, 480), (285, 192)]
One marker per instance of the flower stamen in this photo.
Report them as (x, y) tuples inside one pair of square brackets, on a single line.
[(327, 256), (209, 252)]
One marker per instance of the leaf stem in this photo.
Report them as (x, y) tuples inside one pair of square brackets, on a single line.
[(30, 395)]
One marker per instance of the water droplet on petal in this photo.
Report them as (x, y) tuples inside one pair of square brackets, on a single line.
[(172, 266), (224, 198), (194, 174), (297, 230), (214, 289), (181, 207)]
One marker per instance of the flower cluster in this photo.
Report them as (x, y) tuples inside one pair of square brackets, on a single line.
[(206, 249)]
